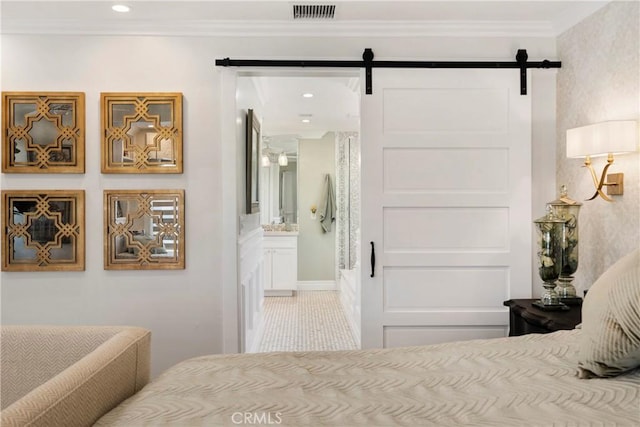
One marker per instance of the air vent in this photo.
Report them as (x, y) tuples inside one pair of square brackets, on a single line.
[(314, 11)]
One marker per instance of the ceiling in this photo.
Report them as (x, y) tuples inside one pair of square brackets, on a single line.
[(275, 17), (282, 97), (334, 106)]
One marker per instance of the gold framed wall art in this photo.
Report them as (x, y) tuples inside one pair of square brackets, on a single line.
[(43, 132), (43, 230), (141, 132), (144, 230)]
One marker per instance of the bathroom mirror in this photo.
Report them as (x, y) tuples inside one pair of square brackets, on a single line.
[(141, 132), (144, 229), (252, 163), (43, 230), (279, 200), (43, 132)]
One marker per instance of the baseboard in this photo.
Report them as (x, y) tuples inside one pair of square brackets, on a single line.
[(317, 285), (278, 293)]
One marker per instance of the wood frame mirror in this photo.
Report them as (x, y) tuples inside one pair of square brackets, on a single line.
[(141, 132), (43, 230), (144, 229), (43, 132), (252, 163)]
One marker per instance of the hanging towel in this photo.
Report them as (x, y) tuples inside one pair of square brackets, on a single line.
[(327, 207)]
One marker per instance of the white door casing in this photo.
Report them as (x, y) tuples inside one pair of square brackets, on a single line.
[(446, 200)]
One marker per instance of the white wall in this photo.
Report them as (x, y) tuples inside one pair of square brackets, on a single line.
[(250, 255), (316, 249), (600, 82), (183, 309)]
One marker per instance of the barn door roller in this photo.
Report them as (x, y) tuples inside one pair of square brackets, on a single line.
[(521, 63)]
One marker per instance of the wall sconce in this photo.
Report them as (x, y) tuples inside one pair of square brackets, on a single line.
[(600, 139), (282, 159), (265, 161)]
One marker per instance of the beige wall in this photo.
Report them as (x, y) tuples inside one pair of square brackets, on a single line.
[(600, 80), (316, 249)]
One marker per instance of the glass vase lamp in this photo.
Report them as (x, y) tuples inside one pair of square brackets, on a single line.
[(549, 244), (567, 210)]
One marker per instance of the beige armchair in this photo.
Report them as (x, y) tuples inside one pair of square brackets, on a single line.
[(69, 375)]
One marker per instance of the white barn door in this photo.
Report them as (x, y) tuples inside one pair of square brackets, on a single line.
[(446, 201)]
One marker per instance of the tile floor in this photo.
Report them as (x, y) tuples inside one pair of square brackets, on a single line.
[(308, 321)]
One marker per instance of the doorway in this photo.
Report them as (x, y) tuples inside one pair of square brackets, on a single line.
[(309, 134), (446, 193)]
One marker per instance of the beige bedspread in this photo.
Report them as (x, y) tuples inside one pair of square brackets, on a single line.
[(529, 380)]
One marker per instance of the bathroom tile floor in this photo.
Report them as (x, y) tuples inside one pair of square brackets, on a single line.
[(307, 321)]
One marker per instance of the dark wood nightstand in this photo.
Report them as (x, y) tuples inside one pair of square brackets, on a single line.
[(524, 318)]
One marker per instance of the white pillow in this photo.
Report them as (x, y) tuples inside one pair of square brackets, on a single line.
[(611, 321)]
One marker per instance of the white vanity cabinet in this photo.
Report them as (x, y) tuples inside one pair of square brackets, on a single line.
[(280, 262)]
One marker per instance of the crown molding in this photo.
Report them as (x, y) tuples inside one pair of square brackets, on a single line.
[(283, 28)]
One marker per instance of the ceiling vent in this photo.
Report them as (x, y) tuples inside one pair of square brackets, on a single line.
[(314, 11)]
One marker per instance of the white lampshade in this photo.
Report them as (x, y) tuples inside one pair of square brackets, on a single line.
[(265, 161), (603, 138)]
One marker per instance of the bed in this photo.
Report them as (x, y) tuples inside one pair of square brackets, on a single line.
[(586, 376)]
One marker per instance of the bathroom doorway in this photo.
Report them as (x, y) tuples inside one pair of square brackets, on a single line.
[(312, 121)]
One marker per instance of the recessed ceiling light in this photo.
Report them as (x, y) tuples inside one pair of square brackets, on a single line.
[(307, 95), (306, 121), (120, 8)]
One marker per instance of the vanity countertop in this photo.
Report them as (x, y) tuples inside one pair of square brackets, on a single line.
[(273, 233)]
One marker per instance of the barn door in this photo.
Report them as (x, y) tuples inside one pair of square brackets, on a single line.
[(446, 204)]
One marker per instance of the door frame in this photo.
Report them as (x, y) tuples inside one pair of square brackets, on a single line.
[(543, 93), (232, 325)]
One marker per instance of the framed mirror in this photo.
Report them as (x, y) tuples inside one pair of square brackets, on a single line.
[(43, 230), (144, 229), (43, 132), (279, 180), (141, 132), (252, 163)]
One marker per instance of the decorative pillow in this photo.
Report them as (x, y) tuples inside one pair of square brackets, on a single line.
[(611, 321)]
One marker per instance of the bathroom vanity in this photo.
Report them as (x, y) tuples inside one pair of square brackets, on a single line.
[(280, 262)]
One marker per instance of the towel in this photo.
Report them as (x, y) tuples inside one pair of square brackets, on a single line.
[(327, 205)]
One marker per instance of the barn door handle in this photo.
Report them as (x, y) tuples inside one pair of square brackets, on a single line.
[(373, 259)]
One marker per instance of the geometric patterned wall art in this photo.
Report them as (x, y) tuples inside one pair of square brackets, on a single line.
[(144, 229), (141, 132), (43, 132), (43, 230)]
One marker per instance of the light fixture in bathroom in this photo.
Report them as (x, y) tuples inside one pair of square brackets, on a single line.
[(265, 161), (120, 8), (282, 159), (307, 95), (306, 121)]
